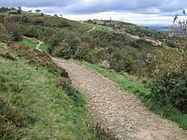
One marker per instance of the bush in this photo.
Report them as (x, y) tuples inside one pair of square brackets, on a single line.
[(121, 60), (16, 36), (31, 31), (14, 31), (14, 18), (3, 32), (63, 45), (170, 89), (82, 52), (64, 24)]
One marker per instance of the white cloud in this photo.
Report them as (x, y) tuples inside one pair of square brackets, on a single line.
[(135, 11), (122, 16)]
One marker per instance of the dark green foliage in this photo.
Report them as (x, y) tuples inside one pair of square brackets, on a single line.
[(83, 52), (14, 18), (64, 45), (31, 31), (16, 35), (4, 9), (19, 10), (55, 40), (141, 43), (171, 43), (14, 31), (122, 60), (170, 88), (64, 24), (106, 38)]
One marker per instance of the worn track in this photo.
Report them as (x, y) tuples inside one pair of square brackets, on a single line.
[(120, 112)]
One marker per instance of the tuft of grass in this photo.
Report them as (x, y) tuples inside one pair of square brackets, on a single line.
[(133, 85), (29, 42)]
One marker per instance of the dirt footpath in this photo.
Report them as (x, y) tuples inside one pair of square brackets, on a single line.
[(120, 112)]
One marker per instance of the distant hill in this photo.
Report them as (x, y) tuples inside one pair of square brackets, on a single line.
[(160, 28)]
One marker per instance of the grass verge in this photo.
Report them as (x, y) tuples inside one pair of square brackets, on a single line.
[(29, 42), (136, 86), (44, 47)]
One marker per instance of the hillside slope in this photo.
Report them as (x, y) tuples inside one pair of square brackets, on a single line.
[(124, 48), (37, 100)]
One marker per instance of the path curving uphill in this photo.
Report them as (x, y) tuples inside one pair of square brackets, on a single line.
[(120, 112)]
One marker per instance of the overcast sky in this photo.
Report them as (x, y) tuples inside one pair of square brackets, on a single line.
[(135, 11)]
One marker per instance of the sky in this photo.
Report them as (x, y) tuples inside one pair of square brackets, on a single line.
[(134, 11)]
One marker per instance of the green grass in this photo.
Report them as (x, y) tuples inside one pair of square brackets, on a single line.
[(125, 82), (29, 42), (49, 112), (33, 107), (44, 47), (133, 85)]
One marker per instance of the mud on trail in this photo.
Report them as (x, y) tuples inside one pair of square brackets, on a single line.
[(120, 112)]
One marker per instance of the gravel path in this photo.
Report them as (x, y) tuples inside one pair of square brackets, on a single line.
[(38, 45), (92, 29), (120, 112)]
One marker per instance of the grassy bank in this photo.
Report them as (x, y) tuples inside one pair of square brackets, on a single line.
[(29, 42), (42, 110), (32, 106), (142, 90)]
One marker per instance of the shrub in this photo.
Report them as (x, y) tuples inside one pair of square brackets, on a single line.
[(63, 83), (64, 24), (16, 35), (121, 60), (31, 31), (3, 31), (14, 18), (169, 88), (55, 40), (14, 31), (82, 52), (63, 45)]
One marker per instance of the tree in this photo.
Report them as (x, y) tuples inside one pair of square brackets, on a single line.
[(179, 27), (38, 11), (16, 35), (19, 10)]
